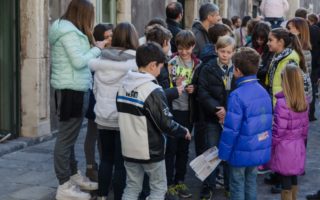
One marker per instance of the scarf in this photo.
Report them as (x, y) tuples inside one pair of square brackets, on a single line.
[(274, 65)]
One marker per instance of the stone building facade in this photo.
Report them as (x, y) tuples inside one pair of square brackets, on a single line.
[(27, 107)]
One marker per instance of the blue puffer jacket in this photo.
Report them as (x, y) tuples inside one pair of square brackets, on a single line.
[(246, 136), (70, 53)]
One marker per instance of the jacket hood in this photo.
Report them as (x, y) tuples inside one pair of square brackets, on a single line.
[(61, 27), (110, 68), (208, 52), (134, 79), (117, 54), (197, 25)]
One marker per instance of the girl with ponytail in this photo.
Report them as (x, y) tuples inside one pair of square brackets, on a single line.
[(287, 48)]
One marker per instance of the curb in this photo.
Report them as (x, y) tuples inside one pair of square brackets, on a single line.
[(19, 143), (22, 142)]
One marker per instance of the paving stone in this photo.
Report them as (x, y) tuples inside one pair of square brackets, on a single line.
[(32, 192), (29, 172)]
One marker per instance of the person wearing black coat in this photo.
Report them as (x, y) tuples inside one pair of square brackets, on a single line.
[(211, 94), (163, 79), (315, 43), (174, 13)]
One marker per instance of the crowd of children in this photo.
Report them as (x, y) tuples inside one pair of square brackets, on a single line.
[(244, 87)]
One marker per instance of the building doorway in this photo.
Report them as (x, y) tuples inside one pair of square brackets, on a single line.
[(9, 68)]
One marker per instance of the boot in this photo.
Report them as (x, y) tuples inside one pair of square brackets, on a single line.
[(294, 192), (286, 195), (92, 172)]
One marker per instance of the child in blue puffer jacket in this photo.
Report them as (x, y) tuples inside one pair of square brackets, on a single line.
[(246, 138)]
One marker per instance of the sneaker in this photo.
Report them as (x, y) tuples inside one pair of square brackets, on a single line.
[(183, 190), (172, 193), (92, 172), (69, 191), (206, 193), (83, 182), (314, 196), (263, 170)]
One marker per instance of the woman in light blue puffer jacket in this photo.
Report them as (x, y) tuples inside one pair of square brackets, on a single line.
[(70, 38)]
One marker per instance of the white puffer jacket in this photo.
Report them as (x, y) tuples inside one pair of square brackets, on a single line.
[(109, 72)]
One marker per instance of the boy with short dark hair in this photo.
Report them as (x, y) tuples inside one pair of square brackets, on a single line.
[(162, 36), (181, 69), (246, 138), (144, 117)]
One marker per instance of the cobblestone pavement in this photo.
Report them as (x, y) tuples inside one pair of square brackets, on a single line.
[(28, 174)]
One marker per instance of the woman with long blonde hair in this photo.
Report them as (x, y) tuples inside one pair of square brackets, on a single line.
[(290, 130)]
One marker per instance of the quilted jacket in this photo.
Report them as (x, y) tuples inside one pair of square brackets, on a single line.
[(70, 54), (246, 137), (289, 133)]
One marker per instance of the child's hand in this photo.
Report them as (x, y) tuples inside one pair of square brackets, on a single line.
[(188, 135), (190, 89), (101, 44), (180, 89), (221, 113), (179, 80), (221, 121)]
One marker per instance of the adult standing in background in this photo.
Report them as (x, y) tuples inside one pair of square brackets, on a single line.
[(174, 13), (209, 16), (315, 51), (71, 39), (274, 11), (241, 32), (236, 22)]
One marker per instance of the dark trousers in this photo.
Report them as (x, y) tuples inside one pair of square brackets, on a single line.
[(177, 151), (288, 181), (91, 142), (211, 138), (111, 156), (313, 102), (200, 137)]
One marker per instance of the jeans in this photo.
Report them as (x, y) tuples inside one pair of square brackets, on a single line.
[(177, 151), (65, 163), (135, 175), (211, 138), (243, 183), (111, 156)]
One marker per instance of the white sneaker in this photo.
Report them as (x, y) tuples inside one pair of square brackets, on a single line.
[(102, 198), (69, 191), (83, 182)]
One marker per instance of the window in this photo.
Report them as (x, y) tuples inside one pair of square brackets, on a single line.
[(106, 11)]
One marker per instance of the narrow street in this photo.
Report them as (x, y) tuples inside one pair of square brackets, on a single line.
[(28, 174)]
